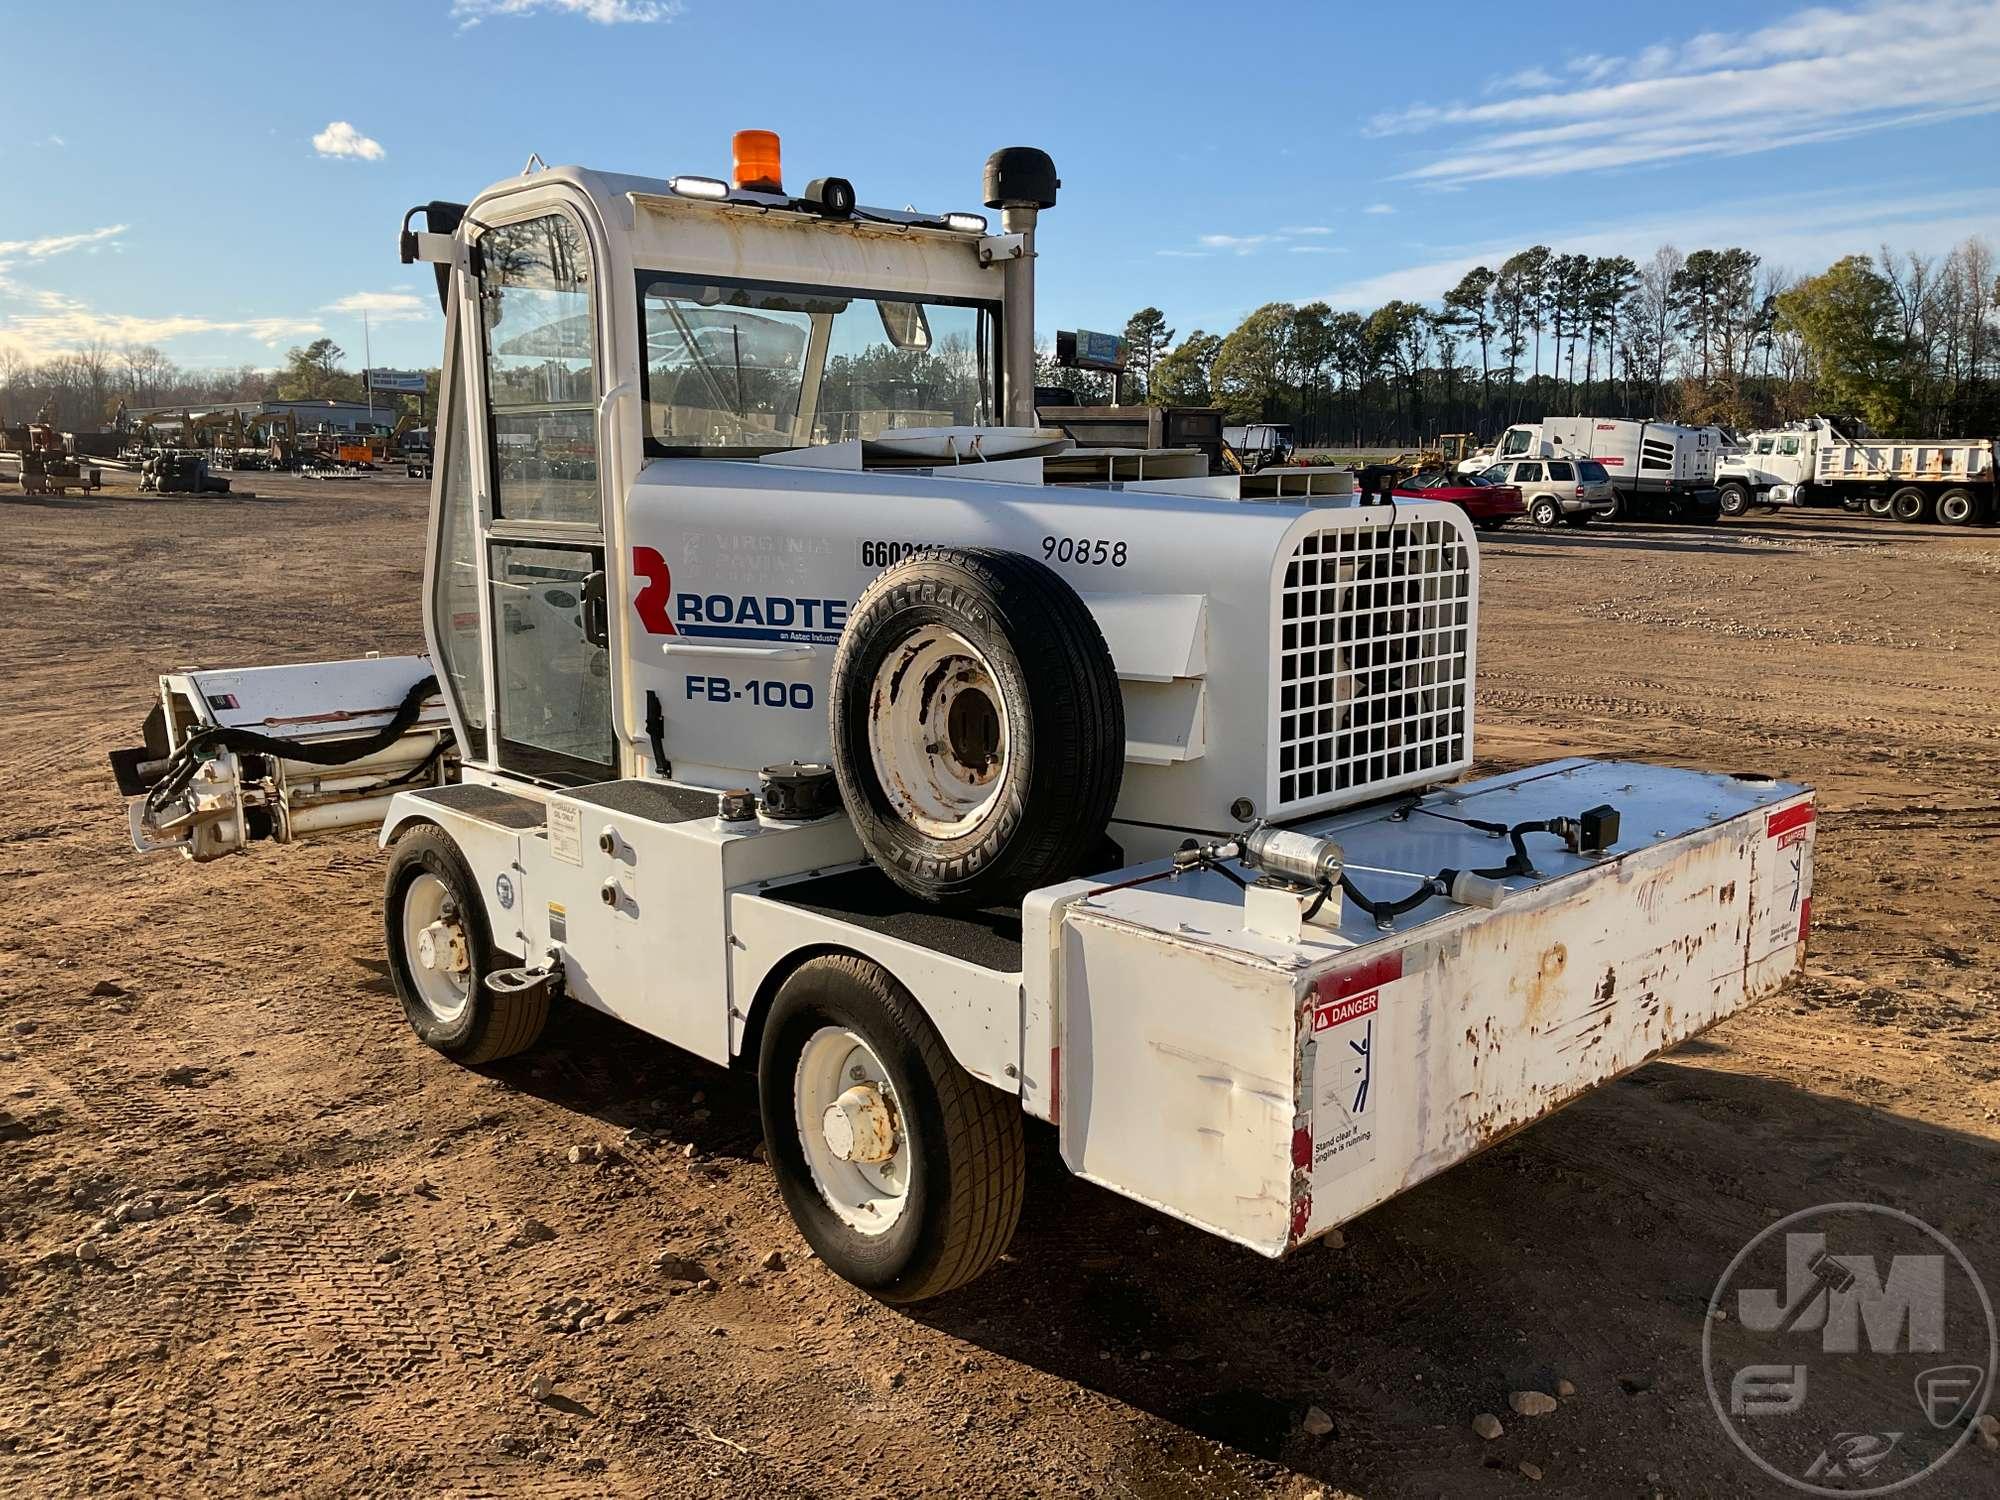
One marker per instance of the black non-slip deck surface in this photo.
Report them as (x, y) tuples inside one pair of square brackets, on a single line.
[(488, 803), (654, 800), (989, 937)]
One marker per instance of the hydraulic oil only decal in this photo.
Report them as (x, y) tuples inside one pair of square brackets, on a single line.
[(1346, 1008), (566, 832)]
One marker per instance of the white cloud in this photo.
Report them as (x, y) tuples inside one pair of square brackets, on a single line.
[(53, 323), (342, 139), (383, 307), (1317, 249), (1527, 78), (603, 12), (1250, 244), (58, 244), (1379, 208), (1820, 74), (1241, 244), (1804, 231)]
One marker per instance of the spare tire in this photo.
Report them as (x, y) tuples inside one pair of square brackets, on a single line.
[(978, 731)]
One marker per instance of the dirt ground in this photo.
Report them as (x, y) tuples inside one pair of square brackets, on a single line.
[(363, 1308)]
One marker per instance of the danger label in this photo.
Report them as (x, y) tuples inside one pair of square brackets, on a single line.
[(1331, 1013), (1342, 1053), (1791, 826)]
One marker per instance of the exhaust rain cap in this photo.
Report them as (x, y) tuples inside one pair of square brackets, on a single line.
[(1021, 177)]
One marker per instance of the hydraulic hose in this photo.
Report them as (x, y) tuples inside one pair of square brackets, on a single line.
[(181, 764)]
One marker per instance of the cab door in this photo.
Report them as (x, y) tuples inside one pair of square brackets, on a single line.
[(545, 551)]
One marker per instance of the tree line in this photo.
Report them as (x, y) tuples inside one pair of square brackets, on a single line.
[(1908, 343), (83, 389)]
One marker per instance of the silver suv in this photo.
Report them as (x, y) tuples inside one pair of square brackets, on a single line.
[(1558, 489)]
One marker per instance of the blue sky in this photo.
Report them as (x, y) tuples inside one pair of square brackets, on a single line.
[(242, 190)]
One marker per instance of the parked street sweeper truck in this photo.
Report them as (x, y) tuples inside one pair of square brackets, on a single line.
[(781, 703)]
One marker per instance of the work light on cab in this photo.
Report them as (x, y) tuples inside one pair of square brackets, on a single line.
[(699, 187)]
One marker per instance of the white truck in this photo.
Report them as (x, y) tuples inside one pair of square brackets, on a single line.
[(941, 796), (1826, 461), (1658, 470)]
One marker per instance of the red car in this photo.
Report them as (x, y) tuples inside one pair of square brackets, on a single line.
[(1490, 506)]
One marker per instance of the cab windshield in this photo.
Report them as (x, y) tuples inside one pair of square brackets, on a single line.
[(742, 368)]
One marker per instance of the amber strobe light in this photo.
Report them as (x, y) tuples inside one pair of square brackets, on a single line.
[(753, 161)]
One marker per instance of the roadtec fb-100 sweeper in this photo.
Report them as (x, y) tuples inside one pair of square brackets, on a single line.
[(792, 698)]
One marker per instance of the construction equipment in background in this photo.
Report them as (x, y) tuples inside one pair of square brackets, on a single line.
[(179, 471), (1151, 429), (1257, 445), (47, 467), (1832, 461)]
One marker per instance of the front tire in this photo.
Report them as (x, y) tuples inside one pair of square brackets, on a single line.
[(1735, 500), (440, 953), (903, 1172)]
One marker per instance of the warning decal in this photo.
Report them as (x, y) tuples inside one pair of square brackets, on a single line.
[(1787, 897), (1342, 1060), (566, 832)]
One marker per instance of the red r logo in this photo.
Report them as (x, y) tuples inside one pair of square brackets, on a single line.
[(658, 592)]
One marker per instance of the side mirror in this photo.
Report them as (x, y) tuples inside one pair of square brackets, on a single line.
[(905, 324)]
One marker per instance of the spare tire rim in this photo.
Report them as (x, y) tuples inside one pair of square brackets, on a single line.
[(938, 733), (435, 950), (850, 1124)]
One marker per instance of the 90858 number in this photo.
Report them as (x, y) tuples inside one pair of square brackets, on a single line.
[(1095, 552)]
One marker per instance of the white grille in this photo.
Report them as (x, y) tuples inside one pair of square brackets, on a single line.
[(1375, 642)]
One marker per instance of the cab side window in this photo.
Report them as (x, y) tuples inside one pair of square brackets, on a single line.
[(1763, 445), (1516, 442), (1788, 446), (455, 594), (541, 376)]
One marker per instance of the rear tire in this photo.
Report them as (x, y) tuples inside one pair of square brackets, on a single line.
[(1735, 500), (1877, 505), (1910, 505), (1957, 507), (430, 891), (941, 1206), (1545, 512), (978, 729)]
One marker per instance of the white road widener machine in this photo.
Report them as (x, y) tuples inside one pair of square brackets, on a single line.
[(794, 698)]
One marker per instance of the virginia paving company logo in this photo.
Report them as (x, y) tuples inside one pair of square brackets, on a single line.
[(1850, 1349)]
